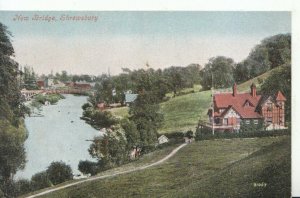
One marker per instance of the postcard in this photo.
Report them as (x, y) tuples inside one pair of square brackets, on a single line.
[(145, 103)]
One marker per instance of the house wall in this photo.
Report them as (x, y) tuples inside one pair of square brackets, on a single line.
[(251, 125), (272, 113)]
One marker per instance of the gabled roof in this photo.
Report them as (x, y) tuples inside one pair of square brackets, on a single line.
[(224, 100), (227, 110), (280, 97)]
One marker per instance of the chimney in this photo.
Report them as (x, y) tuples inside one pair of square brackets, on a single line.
[(234, 90), (253, 90)]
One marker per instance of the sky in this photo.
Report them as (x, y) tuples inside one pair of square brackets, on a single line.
[(127, 39)]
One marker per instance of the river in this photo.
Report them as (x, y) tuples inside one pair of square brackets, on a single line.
[(60, 135)]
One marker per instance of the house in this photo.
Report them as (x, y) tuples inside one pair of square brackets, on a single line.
[(162, 139), (232, 110), (40, 84)]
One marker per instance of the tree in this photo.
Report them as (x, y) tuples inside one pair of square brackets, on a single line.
[(218, 72), (12, 152), (40, 180), (29, 78), (131, 133), (144, 111), (175, 78), (59, 172), (280, 80), (110, 150), (272, 52), (9, 80)]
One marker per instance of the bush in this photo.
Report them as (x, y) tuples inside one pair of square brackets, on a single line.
[(40, 180), (250, 134), (86, 105), (23, 186), (88, 167), (59, 172), (98, 119), (189, 134)]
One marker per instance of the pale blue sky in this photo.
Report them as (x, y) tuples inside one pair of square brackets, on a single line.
[(130, 39)]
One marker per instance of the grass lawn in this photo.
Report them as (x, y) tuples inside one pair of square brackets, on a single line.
[(212, 168)]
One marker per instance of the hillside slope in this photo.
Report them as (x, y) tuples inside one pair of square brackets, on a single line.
[(211, 168)]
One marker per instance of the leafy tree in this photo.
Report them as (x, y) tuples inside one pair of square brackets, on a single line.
[(272, 52), (12, 152), (279, 49), (131, 133), (29, 78), (280, 80), (40, 180), (144, 112), (110, 150), (9, 81), (175, 78), (218, 72), (59, 172)]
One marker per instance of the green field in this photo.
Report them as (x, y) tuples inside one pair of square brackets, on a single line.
[(212, 168)]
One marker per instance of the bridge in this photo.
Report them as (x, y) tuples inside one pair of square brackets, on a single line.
[(29, 94)]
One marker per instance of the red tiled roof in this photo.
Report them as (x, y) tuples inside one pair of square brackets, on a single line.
[(280, 96), (224, 100)]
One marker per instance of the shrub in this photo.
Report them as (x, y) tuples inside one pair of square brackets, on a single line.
[(189, 134), (88, 167), (59, 172), (248, 134), (40, 180), (23, 186)]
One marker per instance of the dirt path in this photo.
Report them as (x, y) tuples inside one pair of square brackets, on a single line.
[(111, 175)]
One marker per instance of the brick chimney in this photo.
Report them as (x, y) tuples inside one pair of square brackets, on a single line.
[(253, 90), (234, 90)]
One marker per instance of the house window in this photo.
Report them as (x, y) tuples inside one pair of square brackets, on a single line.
[(238, 121), (255, 121), (269, 120), (269, 106), (247, 121)]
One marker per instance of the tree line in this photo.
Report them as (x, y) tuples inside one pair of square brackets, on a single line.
[(222, 72)]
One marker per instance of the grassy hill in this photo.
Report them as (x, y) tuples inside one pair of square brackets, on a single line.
[(182, 113), (252, 167)]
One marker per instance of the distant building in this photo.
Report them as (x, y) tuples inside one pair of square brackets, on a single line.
[(84, 86), (49, 82), (130, 97), (230, 110), (40, 84), (163, 139)]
